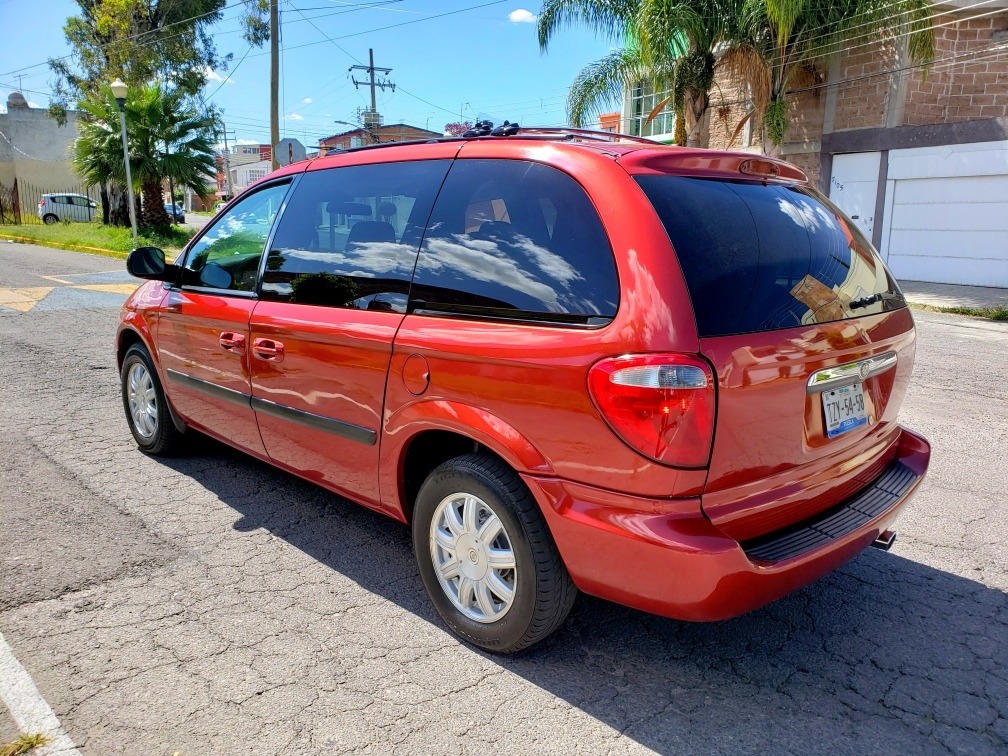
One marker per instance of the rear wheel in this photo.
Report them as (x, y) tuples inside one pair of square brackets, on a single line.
[(145, 404), (49, 219), (486, 556)]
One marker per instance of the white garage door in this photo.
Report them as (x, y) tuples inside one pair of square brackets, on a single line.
[(946, 214)]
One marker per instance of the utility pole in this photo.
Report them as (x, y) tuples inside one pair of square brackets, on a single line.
[(227, 163), (274, 82), (371, 119)]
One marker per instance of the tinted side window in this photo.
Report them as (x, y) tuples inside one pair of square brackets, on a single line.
[(510, 238), (228, 255), (761, 257), (349, 236)]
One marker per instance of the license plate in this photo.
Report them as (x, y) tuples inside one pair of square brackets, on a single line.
[(845, 409)]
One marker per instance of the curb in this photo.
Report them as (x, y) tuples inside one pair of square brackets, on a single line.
[(67, 246)]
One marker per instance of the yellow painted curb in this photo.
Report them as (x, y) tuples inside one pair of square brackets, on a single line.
[(68, 246)]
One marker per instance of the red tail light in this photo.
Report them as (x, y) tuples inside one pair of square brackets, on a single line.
[(662, 405)]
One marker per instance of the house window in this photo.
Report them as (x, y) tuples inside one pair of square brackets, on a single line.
[(256, 174), (643, 100)]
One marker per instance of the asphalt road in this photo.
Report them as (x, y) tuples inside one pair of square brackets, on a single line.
[(208, 604)]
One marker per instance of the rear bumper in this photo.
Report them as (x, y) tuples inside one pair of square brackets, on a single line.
[(664, 557)]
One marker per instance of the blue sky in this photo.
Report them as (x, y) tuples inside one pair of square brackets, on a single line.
[(474, 61)]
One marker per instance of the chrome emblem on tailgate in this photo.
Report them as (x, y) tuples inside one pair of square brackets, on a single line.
[(851, 372)]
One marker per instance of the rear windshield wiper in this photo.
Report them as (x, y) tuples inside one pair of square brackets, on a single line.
[(882, 296)]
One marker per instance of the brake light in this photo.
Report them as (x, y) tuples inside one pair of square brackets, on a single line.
[(662, 405), (771, 169)]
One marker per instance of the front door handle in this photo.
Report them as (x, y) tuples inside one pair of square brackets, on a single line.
[(268, 349), (232, 342)]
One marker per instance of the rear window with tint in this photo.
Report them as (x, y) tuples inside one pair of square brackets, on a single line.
[(763, 257)]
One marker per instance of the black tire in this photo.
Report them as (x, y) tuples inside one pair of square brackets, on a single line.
[(49, 219), (543, 592), (155, 432)]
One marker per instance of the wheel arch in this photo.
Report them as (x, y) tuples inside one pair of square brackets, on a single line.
[(430, 433), (129, 336)]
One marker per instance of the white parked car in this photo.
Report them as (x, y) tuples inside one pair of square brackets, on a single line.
[(53, 208)]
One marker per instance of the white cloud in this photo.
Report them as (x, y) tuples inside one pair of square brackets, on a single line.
[(521, 16), (307, 100), (33, 104), (293, 117), (212, 75), (246, 141)]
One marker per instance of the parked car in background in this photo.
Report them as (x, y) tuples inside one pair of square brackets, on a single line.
[(175, 212), (53, 208), (569, 360)]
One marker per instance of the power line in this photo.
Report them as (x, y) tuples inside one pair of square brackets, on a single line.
[(228, 77), (395, 26)]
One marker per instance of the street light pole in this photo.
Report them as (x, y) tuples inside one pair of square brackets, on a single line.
[(119, 92)]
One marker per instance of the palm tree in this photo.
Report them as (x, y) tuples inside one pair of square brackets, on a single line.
[(98, 155), (670, 43), (155, 120), (783, 44), (161, 119)]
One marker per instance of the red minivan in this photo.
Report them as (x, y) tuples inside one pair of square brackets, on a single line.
[(570, 361)]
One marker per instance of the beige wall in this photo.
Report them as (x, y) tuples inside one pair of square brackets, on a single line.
[(36, 150)]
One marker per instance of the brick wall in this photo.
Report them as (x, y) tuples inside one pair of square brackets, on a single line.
[(967, 81), (864, 85), (972, 82)]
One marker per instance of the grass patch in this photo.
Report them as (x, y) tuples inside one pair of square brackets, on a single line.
[(991, 313), (113, 241), (23, 744)]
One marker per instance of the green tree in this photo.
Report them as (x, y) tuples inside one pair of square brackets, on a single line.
[(167, 139), (138, 41)]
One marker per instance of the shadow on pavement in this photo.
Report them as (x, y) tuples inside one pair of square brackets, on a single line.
[(884, 656)]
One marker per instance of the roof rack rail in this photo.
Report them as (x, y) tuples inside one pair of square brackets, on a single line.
[(486, 130), (586, 134)]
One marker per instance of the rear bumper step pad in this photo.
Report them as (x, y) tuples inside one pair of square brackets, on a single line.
[(872, 502)]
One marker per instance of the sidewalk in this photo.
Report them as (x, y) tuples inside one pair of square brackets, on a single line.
[(953, 295)]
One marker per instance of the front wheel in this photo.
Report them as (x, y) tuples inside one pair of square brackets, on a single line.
[(145, 404), (486, 556), (49, 219)]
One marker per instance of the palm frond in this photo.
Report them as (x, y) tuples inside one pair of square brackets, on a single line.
[(601, 84), (609, 18)]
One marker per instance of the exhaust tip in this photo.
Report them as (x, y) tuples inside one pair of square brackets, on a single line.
[(885, 540)]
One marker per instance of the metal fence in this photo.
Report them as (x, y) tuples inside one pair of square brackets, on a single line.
[(19, 203)]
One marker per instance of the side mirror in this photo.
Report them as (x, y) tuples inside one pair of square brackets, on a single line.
[(149, 262)]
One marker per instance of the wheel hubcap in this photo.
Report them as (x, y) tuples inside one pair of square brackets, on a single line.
[(142, 399), (473, 558)]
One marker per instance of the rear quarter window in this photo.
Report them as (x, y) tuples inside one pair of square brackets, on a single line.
[(761, 257)]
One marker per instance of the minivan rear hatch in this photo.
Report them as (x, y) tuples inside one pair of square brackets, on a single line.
[(808, 334)]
